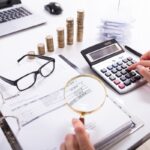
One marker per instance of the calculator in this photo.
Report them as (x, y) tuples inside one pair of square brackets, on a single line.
[(110, 62)]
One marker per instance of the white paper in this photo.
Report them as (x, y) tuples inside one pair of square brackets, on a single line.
[(48, 131), (44, 97)]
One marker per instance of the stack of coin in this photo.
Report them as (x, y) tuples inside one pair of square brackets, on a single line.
[(31, 53), (41, 49), (70, 30), (60, 36), (80, 19), (50, 43)]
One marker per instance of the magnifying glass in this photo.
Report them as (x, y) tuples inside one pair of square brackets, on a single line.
[(85, 94)]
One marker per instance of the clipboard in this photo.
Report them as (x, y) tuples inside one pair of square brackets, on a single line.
[(103, 144)]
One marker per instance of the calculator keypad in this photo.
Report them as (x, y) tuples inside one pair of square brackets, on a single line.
[(120, 75)]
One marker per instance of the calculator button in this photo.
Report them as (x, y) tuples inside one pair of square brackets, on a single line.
[(123, 72), (133, 80), (119, 68), (112, 78), (107, 74), (118, 74), (109, 67), (121, 86), (125, 60), (114, 70), (124, 66), (127, 82), (103, 70), (123, 78), (127, 70), (128, 76), (116, 82), (130, 58), (119, 63), (133, 61), (115, 65), (138, 73), (132, 73), (137, 77), (129, 63)]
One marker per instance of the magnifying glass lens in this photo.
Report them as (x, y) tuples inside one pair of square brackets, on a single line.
[(85, 93)]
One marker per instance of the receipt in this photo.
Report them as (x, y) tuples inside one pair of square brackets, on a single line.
[(35, 107)]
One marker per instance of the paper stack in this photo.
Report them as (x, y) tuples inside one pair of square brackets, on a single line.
[(118, 29)]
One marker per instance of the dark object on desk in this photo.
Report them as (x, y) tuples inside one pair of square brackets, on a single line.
[(54, 8), (133, 51), (10, 135), (21, 83), (14, 16)]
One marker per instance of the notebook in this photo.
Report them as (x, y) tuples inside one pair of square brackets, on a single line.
[(14, 16), (45, 119)]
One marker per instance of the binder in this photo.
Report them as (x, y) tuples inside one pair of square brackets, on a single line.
[(47, 128), (4, 144)]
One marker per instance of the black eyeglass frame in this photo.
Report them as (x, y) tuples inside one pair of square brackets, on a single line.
[(14, 83)]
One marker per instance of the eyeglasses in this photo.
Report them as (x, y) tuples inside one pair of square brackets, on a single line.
[(28, 80)]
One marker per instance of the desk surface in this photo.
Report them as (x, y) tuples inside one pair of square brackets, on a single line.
[(15, 45)]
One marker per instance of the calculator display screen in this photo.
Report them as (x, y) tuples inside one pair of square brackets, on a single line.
[(4, 3), (103, 52)]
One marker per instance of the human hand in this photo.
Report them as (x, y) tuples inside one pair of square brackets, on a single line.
[(78, 141), (143, 66), (145, 56)]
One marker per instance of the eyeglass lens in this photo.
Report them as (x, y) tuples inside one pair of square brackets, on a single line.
[(26, 82), (47, 69), (29, 80)]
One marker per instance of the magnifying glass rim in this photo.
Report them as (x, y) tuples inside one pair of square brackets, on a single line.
[(90, 76)]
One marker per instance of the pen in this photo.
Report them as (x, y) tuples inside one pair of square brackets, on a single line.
[(133, 51)]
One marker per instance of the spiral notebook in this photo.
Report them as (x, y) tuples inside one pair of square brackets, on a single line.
[(45, 119)]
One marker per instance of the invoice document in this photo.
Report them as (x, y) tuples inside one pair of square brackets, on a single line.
[(45, 119)]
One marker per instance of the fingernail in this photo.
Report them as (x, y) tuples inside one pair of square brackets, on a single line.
[(129, 68), (74, 120), (76, 123)]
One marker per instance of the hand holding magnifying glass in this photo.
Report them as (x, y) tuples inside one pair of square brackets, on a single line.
[(85, 94)]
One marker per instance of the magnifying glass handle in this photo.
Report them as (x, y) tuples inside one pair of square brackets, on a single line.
[(82, 119)]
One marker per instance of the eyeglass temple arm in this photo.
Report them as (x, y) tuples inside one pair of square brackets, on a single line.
[(7, 80), (38, 56)]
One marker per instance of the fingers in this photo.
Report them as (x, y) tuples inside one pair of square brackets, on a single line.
[(144, 72), (145, 56), (79, 141), (82, 136), (76, 144), (77, 123), (63, 147), (145, 63), (70, 143)]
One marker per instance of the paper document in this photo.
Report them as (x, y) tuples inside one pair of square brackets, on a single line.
[(45, 118), (53, 127), (41, 84), (44, 97)]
